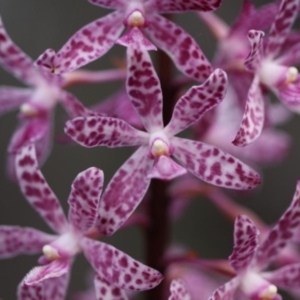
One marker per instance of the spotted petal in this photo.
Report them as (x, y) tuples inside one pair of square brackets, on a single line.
[(196, 101), (180, 46), (179, 291), (33, 292), (291, 56), (15, 240), (253, 118), (84, 198), (104, 131), (36, 189), (245, 243), (282, 233), (214, 166), (226, 291), (56, 288), (124, 192), (106, 291), (118, 268)]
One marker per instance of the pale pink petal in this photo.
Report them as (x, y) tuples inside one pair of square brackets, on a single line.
[(282, 233), (226, 291), (14, 60), (104, 131), (179, 290), (168, 6), (196, 101), (56, 288), (253, 118), (54, 269), (283, 22), (214, 166), (245, 243), (15, 240), (36, 189), (289, 94), (84, 198), (253, 61), (89, 43), (143, 87), (110, 3), (107, 291), (32, 292), (118, 268), (124, 192), (12, 98), (180, 46)]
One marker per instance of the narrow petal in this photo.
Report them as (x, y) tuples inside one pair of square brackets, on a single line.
[(15, 240), (179, 291), (84, 198), (282, 233), (109, 3), (104, 131), (169, 6), (118, 268), (196, 101), (289, 94), (12, 98), (180, 46), (214, 166), (124, 192), (254, 58), (89, 43), (226, 291), (143, 87), (14, 60), (245, 243), (56, 288), (54, 269), (282, 25), (253, 118), (32, 292), (37, 191), (106, 291)]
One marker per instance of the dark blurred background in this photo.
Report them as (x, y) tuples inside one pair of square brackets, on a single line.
[(35, 25)]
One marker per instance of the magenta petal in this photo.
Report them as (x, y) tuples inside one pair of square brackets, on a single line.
[(124, 192), (196, 101), (104, 131), (180, 46), (245, 243), (89, 43), (109, 3), (179, 291), (118, 268), (56, 288), (282, 233), (291, 56), (226, 291), (107, 291), (143, 87), (54, 269), (16, 240), (32, 292), (214, 166), (253, 118), (281, 27), (37, 191), (84, 198)]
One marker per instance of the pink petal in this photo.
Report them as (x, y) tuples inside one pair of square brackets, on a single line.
[(281, 27), (118, 268), (253, 118), (282, 233), (14, 60), (168, 6), (56, 288), (84, 198), (37, 191), (106, 291), (143, 87), (33, 292), (179, 291), (104, 131), (180, 46), (245, 243), (15, 240), (124, 192), (214, 166), (289, 94), (12, 97), (89, 43), (253, 61), (291, 56), (54, 269), (109, 3), (196, 101), (226, 291)]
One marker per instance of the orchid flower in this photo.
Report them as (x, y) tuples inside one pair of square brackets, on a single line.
[(249, 258), (114, 269), (179, 291)]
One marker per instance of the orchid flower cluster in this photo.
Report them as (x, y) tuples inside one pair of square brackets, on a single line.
[(228, 129)]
